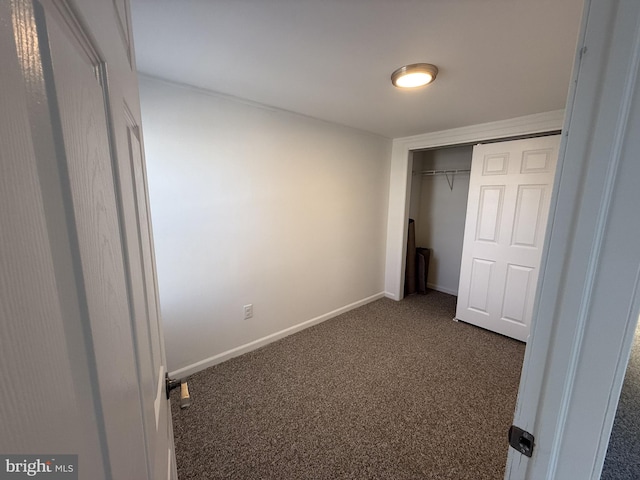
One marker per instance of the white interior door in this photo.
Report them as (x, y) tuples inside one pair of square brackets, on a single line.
[(148, 332), (509, 196), (77, 284), (114, 180)]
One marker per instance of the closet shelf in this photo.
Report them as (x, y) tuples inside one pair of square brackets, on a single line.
[(429, 173)]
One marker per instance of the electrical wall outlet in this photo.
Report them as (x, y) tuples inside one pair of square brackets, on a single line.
[(248, 311)]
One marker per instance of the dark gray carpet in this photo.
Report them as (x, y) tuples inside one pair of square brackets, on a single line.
[(623, 454), (391, 390)]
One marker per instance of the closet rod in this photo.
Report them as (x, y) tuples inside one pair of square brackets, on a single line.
[(443, 172), (446, 173)]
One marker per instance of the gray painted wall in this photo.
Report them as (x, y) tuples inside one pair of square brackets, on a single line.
[(252, 205), (440, 213)]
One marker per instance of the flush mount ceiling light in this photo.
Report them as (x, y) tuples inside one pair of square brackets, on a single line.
[(415, 75)]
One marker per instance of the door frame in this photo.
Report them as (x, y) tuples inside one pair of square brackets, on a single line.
[(588, 298)]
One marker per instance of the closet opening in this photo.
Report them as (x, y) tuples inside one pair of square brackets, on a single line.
[(437, 209), (476, 219)]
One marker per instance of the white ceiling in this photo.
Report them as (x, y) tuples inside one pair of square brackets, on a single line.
[(332, 59)]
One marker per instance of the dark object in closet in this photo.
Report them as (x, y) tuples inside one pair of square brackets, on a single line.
[(410, 268), (422, 269)]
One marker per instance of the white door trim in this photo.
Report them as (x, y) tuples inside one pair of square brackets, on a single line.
[(589, 293), (400, 177)]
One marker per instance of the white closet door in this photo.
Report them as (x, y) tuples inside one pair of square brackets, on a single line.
[(507, 210)]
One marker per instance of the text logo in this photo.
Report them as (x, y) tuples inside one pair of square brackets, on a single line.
[(45, 467)]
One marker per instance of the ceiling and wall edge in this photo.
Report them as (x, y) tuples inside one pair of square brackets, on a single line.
[(251, 103)]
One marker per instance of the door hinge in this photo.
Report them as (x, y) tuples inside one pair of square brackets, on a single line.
[(521, 440)]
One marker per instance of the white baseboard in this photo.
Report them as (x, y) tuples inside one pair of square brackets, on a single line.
[(261, 342), (442, 289), (391, 296)]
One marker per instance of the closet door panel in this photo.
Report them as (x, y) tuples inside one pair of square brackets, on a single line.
[(507, 210)]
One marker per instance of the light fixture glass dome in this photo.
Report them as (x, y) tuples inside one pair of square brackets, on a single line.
[(415, 75)]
